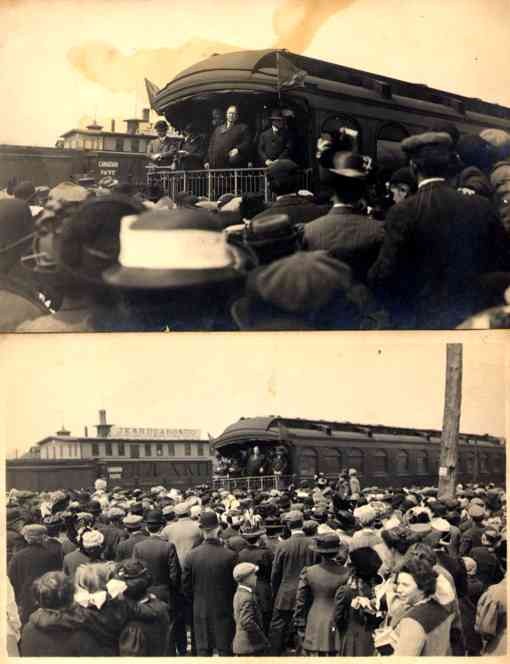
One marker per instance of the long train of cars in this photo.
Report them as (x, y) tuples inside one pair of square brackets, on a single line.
[(383, 456)]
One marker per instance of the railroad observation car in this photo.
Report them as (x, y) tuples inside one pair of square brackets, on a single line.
[(382, 455), (381, 111)]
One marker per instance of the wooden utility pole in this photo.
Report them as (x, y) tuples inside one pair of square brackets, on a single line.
[(451, 420)]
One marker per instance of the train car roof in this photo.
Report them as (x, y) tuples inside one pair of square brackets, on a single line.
[(261, 64), (272, 427)]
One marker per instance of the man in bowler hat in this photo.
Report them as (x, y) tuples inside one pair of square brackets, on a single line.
[(276, 142)]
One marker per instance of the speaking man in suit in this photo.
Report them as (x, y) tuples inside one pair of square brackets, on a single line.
[(161, 151), (275, 142), (230, 143)]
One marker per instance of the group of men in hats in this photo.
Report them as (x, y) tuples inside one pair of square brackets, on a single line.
[(438, 260), (244, 572)]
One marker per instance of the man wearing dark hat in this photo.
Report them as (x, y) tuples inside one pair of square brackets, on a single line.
[(283, 178), (230, 143), (209, 585), (437, 244), (290, 558), (276, 142), (133, 523), (347, 234), (161, 150), (160, 558), (255, 552), (192, 150)]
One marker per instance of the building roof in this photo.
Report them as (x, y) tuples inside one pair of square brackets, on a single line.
[(123, 134)]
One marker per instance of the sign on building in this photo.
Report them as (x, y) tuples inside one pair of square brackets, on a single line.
[(151, 433)]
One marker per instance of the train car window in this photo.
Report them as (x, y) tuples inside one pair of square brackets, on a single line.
[(422, 463), (332, 461), (336, 122), (95, 449), (121, 449), (402, 462), (108, 449), (134, 451), (187, 449), (484, 463), (389, 153), (309, 466), (148, 449), (357, 460), (380, 462), (171, 449)]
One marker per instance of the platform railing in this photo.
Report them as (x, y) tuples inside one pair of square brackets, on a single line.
[(255, 483), (212, 183)]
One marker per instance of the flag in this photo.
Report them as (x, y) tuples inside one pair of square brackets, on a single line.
[(152, 91), (289, 76)]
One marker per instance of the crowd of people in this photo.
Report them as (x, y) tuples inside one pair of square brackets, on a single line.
[(324, 568), (426, 246)]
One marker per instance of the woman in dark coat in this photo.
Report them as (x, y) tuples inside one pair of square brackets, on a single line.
[(55, 628), (143, 638), (314, 612), (356, 612)]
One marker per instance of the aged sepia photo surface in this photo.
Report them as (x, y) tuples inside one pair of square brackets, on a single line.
[(294, 165), (261, 495)]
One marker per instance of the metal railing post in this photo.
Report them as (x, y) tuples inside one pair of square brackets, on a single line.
[(235, 182), (266, 188), (209, 185), (184, 181)]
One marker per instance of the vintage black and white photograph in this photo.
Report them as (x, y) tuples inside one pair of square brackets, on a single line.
[(268, 500), (294, 165)]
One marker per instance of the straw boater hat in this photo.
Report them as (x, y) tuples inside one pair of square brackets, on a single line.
[(165, 249)]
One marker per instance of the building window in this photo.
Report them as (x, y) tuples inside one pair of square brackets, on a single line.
[(402, 462), (187, 449), (69, 451), (119, 145), (108, 449), (171, 449), (422, 463), (95, 449), (200, 449), (134, 451), (121, 448), (135, 145), (380, 462), (159, 449), (148, 449)]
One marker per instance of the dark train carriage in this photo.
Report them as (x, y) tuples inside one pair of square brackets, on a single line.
[(383, 456), (381, 110), (42, 475)]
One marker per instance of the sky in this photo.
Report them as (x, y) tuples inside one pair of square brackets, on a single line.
[(64, 62), (208, 381)]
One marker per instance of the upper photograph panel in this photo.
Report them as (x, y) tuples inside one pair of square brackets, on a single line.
[(309, 173)]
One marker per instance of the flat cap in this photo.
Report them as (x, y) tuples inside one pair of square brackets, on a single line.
[(282, 168), (415, 143), (294, 516), (476, 512), (242, 570), (33, 531), (208, 520)]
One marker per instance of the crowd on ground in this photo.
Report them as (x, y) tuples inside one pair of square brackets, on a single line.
[(425, 247), (324, 568)]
